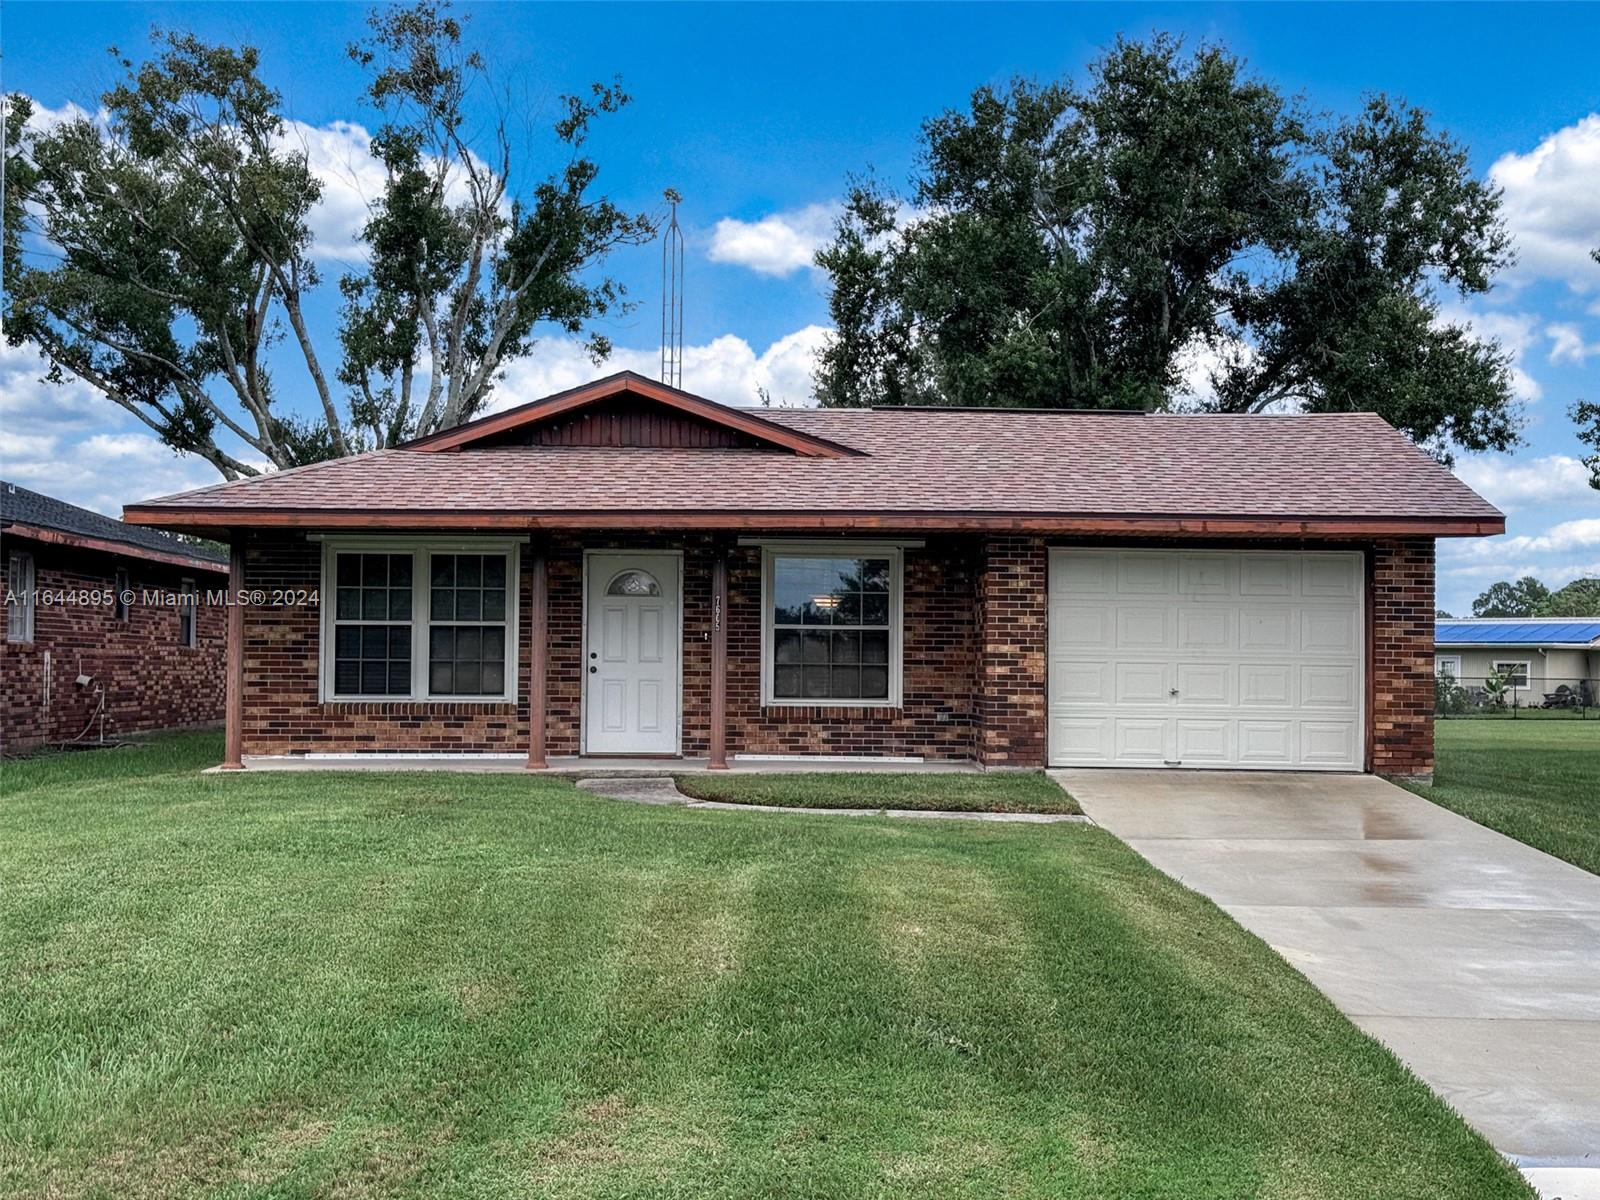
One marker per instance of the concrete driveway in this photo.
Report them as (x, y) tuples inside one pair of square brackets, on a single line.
[(1476, 959)]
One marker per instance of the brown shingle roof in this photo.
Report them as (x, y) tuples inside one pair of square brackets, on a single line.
[(997, 464)]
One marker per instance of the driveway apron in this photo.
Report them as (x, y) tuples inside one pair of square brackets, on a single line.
[(1475, 958)]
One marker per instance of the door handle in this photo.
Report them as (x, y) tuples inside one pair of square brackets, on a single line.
[(1172, 692), (594, 670)]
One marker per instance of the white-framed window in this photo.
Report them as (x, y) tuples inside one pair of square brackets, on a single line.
[(1447, 666), (831, 625), (123, 582), (419, 620), (188, 614), (19, 597), (1515, 670)]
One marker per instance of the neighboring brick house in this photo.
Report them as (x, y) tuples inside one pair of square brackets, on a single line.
[(643, 572), (87, 596)]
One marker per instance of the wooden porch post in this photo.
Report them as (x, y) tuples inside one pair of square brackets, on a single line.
[(233, 705), (718, 749), (539, 669)]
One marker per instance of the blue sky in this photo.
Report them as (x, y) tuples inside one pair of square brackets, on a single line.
[(759, 113)]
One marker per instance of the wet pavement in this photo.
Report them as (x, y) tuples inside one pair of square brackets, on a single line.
[(1475, 958)]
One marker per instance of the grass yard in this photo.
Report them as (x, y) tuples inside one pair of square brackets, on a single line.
[(1536, 781), (998, 791), (446, 985)]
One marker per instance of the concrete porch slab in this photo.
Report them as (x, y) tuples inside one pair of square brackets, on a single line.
[(575, 766)]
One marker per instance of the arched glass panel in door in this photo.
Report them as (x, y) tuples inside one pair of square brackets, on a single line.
[(633, 583)]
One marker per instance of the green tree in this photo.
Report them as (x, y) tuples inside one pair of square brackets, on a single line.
[(1067, 246), (462, 271), (1580, 598), (1586, 415), (163, 254), (1504, 599)]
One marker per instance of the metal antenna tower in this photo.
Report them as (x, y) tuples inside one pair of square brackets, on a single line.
[(672, 296)]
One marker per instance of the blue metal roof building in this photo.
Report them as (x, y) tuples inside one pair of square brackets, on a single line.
[(1575, 632)]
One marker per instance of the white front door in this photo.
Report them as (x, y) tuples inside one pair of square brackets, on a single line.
[(630, 656), (1206, 658)]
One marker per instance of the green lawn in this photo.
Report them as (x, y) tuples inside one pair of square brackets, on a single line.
[(999, 791), (295, 985), (1536, 781)]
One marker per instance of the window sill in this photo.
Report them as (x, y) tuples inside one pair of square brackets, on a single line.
[(506, 702), (824, 709)]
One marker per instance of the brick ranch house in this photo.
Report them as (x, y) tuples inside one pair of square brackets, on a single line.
[(643, 572), (152, 664)]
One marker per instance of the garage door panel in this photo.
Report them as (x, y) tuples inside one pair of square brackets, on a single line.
[(1074, 682), (1144, 628), (1266, 575), (1206, 658), (1327, 631), (1328, 686), (1328, 743), (1268, 685), (1142, 683), (1206, 683), (1139, 739), (1206, 629), (1144, 575)]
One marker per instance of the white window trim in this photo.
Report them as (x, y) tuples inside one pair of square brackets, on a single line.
[(21, 585), (1439, 671), (836, 549), (419, 549), (1527, 671), (121, 610)]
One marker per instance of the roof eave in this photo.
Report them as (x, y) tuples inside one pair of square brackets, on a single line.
[(192, 519), (80, 541)]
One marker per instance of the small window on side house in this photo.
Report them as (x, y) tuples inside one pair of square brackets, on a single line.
[(119, 601), (19, 597), (188, 614), (1515, 671)]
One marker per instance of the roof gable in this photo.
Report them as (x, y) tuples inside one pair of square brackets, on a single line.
[(629, 410)]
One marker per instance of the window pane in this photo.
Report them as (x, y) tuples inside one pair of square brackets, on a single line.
[(786, 683), (494, 604), (494, 571), (348, 605), (816, 683), (469, 570), (441, 678), (494, 643), (347, 642), (875, 574), (374, 641), (444, 570), (349, 570), (374, 677), (467, 679), (399, 678), (399, 605), (442, 605), (846, 683), (400, 570), (875, 608), (494, 678), (400, 642), (469, 605), (375, 570), (347, 677), (441, 642), (786, 646), (875, 683), (846, 647), (633, 583), (375, 604), (814, 647), (875, 646), (468, 643)]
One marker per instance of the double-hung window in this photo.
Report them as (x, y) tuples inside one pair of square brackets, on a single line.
[(19, 597), (831, 629), (1515, 671), (188, 614), (431, 621)]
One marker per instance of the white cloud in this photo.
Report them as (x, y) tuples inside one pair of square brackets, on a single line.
[(1583, 533), (1511, 484), (339, 154), (1569, 345), (1552, 204), (780, 244), (102, 472)]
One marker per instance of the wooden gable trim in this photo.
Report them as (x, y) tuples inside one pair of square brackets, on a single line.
[(628, 383), (83, 541)]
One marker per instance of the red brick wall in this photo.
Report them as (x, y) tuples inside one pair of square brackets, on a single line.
[(151, 682), (1402, 603), (283, 714), (1013, 621)]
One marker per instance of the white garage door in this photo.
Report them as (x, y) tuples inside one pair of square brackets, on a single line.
[(1206, 659)]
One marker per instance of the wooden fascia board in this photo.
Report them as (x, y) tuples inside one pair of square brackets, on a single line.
[(80, 541), (175, 517), (538, 411)]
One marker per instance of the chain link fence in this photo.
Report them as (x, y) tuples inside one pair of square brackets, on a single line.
[(1514, 696)]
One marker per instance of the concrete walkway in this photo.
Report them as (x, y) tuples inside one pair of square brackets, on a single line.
[(1473, 957)]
